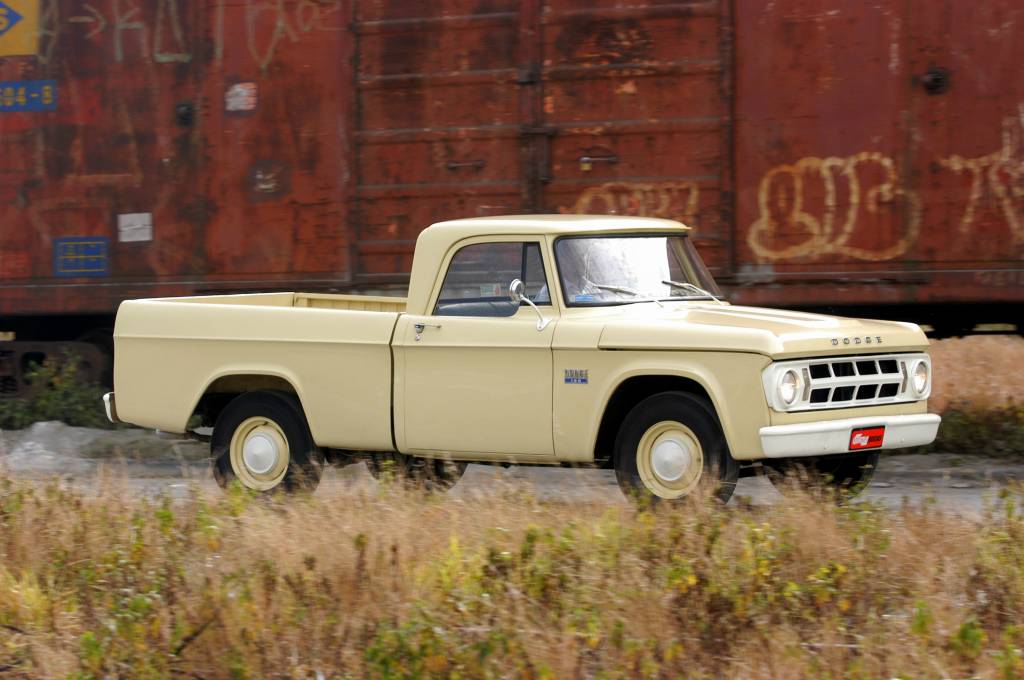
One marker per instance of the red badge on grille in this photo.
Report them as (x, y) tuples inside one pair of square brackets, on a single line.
[(867, 438)]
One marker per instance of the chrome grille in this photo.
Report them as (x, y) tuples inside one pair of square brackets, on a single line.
[(848, 381), (845, 382)]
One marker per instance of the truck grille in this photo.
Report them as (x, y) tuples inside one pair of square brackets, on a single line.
[(845, 382)]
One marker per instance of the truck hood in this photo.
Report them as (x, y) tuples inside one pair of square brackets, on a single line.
[(776, 333)]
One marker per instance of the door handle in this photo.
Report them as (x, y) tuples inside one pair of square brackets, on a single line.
[(420, 327)]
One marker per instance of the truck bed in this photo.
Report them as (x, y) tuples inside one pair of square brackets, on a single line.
[(333, 351)]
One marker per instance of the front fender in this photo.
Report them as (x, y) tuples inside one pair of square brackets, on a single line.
[(731, 380)]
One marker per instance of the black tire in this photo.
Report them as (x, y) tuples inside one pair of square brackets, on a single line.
[(283, 421), (427, 474), (695, 423), (847, 475)]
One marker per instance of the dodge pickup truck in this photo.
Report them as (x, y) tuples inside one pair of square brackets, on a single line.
[(531, 339)]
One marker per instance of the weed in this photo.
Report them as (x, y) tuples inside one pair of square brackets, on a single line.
[(996, 431), (396, 585), (56, 392)]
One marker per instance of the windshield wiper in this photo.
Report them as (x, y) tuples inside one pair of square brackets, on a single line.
[(630, 291), (686, 285)]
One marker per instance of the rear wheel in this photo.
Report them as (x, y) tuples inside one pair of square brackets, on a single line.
[(849, 475), (429, 474), (671, 446), (262, 440)]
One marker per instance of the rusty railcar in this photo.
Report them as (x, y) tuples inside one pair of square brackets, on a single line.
[(830, 153)]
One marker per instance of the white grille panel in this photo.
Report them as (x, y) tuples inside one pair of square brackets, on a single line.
[(845, 382)]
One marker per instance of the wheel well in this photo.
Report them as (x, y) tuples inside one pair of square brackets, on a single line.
[(627, 395), (221, 391)]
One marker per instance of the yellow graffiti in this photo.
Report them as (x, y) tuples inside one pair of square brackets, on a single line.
[(672, 200), (1001, 174), (870, 182)]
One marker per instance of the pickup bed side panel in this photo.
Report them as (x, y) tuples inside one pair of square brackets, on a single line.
[(339, 362)]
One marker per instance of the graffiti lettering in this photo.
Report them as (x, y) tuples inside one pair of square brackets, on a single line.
[(49, 30), (789, 227), (307, 16), (167, 11), (93, 17), (128, 20), (288, 22), (999, 175), (672, 200)]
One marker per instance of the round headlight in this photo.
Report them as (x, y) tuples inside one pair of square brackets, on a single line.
[(919, 378), (789, 387)]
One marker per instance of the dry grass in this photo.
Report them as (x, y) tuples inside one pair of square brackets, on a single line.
[(983, 371), (978, 382), (406, 586)]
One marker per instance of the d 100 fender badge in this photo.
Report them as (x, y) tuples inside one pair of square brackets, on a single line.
[(576, 376)]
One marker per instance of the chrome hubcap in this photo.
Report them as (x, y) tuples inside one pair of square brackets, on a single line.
[(671, 458), (260, 453)]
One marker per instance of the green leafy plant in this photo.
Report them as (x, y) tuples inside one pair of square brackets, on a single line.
[(56, 392)]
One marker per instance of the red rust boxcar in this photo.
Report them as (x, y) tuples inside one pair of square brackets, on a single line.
[(830, 153)]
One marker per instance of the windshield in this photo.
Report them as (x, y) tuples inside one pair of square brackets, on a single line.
[(611, 270)]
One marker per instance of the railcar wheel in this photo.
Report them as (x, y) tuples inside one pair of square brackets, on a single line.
[(848, 475), (428, 474), (262, 439), (671, 446)]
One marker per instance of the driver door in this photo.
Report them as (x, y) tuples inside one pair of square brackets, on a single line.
[(475, 376)]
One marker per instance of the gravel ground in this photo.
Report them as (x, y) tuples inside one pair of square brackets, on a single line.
[(151, 463)]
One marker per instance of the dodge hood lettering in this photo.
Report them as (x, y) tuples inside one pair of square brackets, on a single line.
[(866, 340)]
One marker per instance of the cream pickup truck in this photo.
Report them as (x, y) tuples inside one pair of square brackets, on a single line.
[(532, 339)]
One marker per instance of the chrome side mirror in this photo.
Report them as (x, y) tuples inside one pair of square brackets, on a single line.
[(516, 291), (517, 294)]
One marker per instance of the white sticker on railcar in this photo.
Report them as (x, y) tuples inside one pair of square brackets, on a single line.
[(133, 227), (241, 97)]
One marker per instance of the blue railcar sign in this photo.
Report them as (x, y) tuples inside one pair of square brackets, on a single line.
[(28, 95), (81, 256)]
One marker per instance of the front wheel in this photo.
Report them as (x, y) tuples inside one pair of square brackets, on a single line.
[(262, 440), (671, 446)]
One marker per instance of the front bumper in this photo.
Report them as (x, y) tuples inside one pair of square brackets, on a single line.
[(833, 436)]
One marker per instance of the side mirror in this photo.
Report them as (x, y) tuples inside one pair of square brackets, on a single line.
[(517, 294), (516, 291)]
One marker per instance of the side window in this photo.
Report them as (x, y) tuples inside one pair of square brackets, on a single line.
[(479, 276)]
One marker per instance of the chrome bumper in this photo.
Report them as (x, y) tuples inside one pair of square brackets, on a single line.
[(833, 436), (111, 407)]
